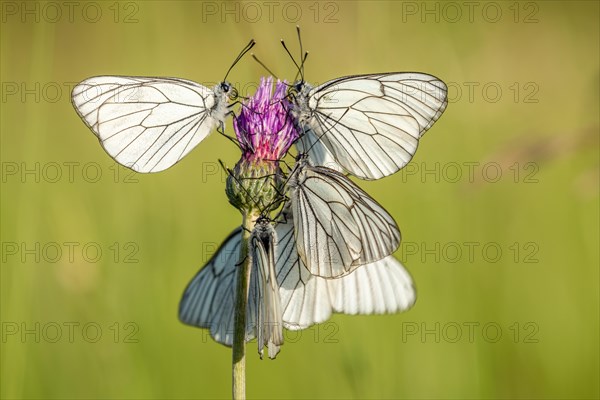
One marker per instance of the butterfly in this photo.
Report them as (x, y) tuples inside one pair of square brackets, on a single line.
[(304, 299), (149, 124), (209, 300), (366, 125), (337, 226), (263, 279)]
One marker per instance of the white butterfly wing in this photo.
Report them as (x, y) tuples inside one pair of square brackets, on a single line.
[(304, 298), (146, 124), (380, 287), (318, 154), (209, 299), (377, 288), (371, 124), (338, 226)]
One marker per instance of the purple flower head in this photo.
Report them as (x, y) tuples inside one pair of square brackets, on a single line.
[(264, 128)]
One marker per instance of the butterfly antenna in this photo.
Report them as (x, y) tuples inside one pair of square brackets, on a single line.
[(283, 211), (290, 54), (264, 66), (286, 164), (301, 70), (281, 198), (289, 175), (239, 57)]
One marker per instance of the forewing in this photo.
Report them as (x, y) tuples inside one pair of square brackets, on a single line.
[(209, 299), (146, 124), (371, 124), (338, 226)]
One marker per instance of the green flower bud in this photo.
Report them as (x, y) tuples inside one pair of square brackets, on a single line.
[(255, 186)]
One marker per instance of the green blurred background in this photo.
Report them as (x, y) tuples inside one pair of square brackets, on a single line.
[(523, 81)]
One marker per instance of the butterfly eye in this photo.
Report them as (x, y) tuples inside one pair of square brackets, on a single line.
[(294, 91), (229, 90)]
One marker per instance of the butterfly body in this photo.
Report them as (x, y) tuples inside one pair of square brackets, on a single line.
[(263, 277), (263, 231), (300, 110)]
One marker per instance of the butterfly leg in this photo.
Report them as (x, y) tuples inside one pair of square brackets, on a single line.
[(221, 130)]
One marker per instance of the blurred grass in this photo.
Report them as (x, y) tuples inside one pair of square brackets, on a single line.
[(175, 217)]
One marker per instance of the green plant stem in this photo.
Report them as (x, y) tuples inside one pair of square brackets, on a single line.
[(241, 301)]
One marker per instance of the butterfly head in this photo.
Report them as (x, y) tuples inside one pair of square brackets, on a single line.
[(226, 89), (262, 223), (300, 89), (302, 159), (263, 230), (295, 176)]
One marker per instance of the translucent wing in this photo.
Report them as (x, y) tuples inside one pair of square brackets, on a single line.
[(269, 324), (147, 124), (380, 287), (377, 288), (338, 226), (209, 299), (318, 154), (370, 124), (305, 299)]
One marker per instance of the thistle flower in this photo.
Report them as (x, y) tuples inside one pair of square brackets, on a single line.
[(265, 131), (264, 128)]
